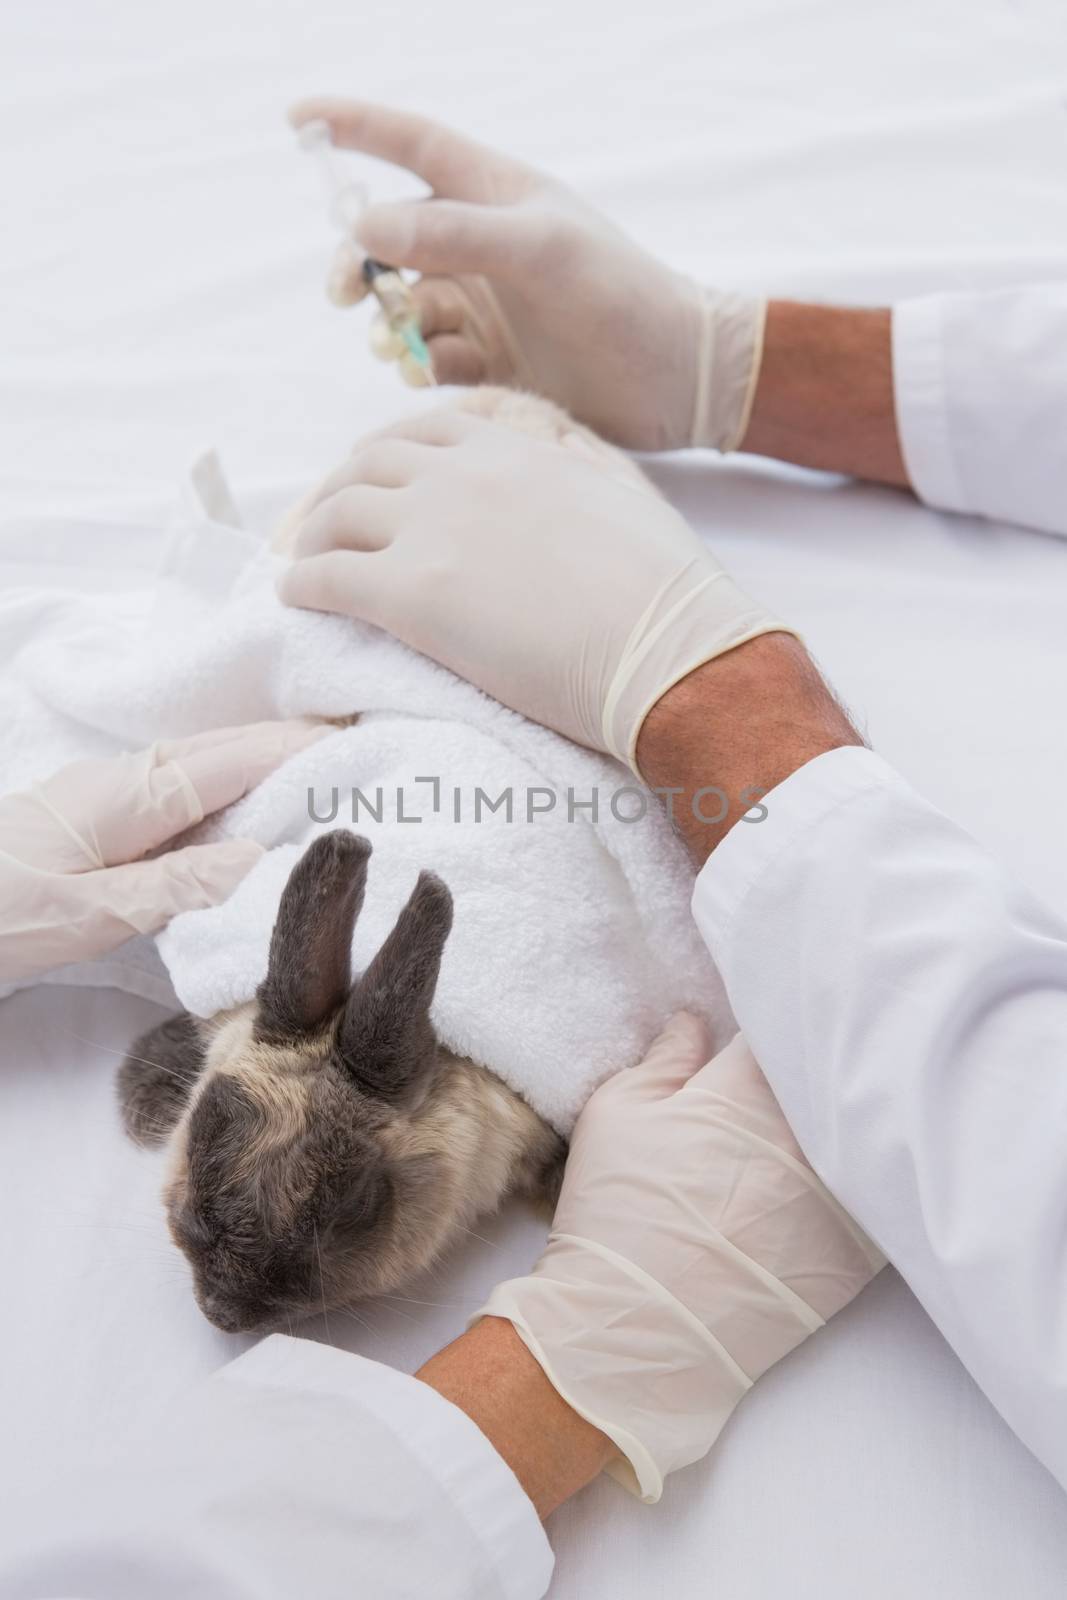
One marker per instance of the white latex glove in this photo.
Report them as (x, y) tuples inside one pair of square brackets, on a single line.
[(523, 284), (692, 1248), (72, 885), (569, 593)]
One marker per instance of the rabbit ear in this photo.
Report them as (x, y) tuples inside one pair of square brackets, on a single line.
[(309, 971), (158, 1076), (386, 1040)]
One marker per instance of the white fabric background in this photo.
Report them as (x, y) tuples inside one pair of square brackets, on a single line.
[(159, 289)]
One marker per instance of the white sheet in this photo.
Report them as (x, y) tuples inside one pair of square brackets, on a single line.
[(160, 290)]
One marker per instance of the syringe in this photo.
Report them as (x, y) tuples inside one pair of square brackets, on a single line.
[(347, 201)]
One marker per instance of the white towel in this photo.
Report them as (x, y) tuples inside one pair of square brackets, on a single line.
[(572, 940)]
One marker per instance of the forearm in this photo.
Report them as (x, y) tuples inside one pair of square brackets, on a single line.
[(960, 397), (825, 397), (737, 727), (489, 1373)]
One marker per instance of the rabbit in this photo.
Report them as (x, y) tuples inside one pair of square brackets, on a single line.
[(324, 1147)]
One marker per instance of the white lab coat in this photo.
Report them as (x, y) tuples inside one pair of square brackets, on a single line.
[(908, 1003), (981, 393)]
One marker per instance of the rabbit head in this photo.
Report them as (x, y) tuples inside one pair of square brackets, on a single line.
[(323, 1145)]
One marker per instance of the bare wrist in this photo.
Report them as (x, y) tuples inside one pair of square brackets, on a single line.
[(824, 397), (732, 730), (489, 1373)]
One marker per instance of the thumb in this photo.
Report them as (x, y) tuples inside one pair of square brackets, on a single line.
[(346, 285), (445, 236), (674, 1057)]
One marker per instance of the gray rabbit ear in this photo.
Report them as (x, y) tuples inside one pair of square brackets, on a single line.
[(309, 970), (386, 1040), (158, 1076)]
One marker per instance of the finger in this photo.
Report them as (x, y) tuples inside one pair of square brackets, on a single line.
[(156, 793), (104, 812), (142, 896), (335, 481), (384, 463), (440, 305), (457, 360), (447, 160), (276, 739), (444, 426), (224, 765), (439, 308), (345, 284), (357, 517), (350, 583), (448, 236)]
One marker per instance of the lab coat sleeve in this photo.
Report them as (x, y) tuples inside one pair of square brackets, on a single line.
[(296, 1470), (907, 1001), (981, 400)]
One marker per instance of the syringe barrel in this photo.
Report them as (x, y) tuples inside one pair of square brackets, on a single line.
[(347, 199), (347, 205)]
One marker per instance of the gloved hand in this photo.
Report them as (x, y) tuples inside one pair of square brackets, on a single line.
[(570, 594), (525, 285), (72, 885), (692, 1248)]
